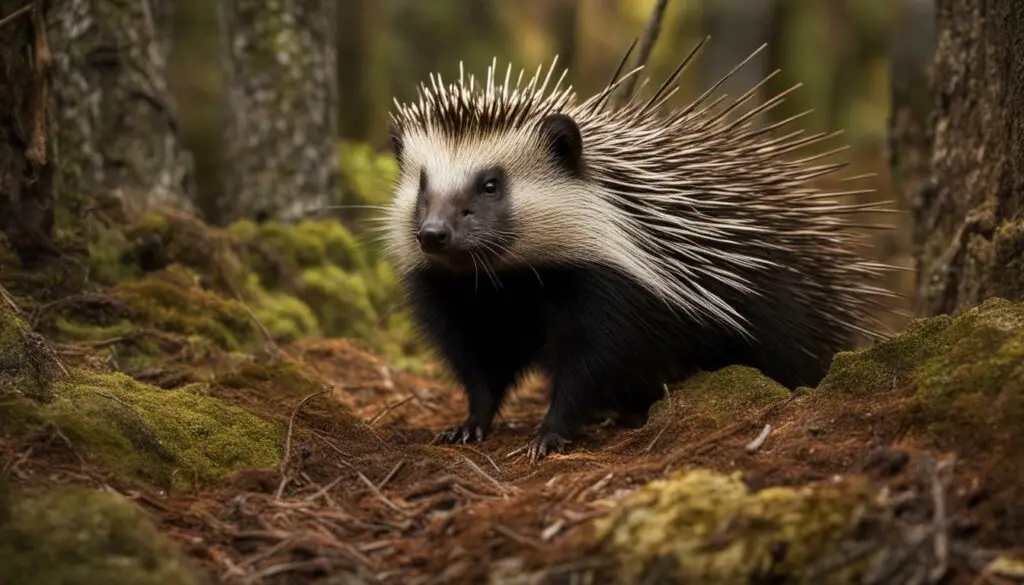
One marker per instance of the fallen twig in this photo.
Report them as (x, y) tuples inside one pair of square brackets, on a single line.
[(388, 409), (286, 457), (376, 491), (484, 455), (599, 484), (941, 541), (552, 530), (323, 491), (479, 470), (654, 441), (6, 296), (506, 531), (755, 445), (391, 474)]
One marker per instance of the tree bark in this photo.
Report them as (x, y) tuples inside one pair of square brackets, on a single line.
[(959, 155), (27, 165), (282, 97), (115, 117)]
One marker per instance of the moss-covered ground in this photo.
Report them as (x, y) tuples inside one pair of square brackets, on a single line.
[(249, 405)]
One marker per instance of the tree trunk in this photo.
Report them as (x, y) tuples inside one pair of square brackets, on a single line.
[(354, 67), (282, 97), (26, 155), (960, 157), (115, 117)]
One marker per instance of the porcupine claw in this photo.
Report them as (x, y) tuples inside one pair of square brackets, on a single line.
[(543, 443), (467, 432)]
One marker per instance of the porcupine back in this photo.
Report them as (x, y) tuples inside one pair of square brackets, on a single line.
[(716, 205)]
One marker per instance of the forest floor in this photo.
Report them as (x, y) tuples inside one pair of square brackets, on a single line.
[(920, 468)]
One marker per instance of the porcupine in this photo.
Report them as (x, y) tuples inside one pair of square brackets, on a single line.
[(620, 248)]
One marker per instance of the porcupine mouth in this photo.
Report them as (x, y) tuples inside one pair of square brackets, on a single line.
[(463, 260)]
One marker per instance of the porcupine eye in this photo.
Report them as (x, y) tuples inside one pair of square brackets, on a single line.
[(489, 182)]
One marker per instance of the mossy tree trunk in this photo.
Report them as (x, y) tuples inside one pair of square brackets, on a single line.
[(27, 163), (958, 154), (115, 117), (281, 87)]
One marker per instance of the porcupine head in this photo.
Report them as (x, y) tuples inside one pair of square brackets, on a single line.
[(492, 178)]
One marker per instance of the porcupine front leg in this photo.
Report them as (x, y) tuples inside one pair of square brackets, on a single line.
[(485, 391), (598, 354)]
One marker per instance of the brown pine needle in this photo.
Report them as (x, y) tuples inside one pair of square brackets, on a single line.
[(286, 457), (389, 408)]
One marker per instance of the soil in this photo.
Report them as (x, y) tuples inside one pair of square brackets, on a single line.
[(376, 503)]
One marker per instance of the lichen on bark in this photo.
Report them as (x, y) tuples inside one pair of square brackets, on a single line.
[(116, 119), (279, 70)]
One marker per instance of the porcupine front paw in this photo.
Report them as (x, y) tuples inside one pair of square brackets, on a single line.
[(467, 432), (543, 442)]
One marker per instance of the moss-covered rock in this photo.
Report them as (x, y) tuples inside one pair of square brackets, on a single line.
[(167, 438), (306, 279), (716, 398), (964, 378), (705, 527), (76, 535)]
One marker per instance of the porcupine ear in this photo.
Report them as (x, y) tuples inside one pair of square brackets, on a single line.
[(395, 141), (565, 144)]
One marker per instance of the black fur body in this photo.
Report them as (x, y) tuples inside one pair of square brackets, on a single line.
[(605, 342)]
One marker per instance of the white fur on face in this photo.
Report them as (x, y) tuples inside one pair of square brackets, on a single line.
[(561, 220)]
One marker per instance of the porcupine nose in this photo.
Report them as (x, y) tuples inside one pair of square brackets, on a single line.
[(434, 236)]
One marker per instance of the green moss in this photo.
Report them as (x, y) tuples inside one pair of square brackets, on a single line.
[(312, 244), (172, 300), (108, 256), (71, 330), (72, 534), (716, 398), (963, 378), (286, 318), (366, 175), (705, 527), (174, 274), (342, 299), (971, 392), (879, 368), (12, 334), (165, 437)]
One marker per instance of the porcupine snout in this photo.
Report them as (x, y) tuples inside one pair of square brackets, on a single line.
[(434, 236)]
